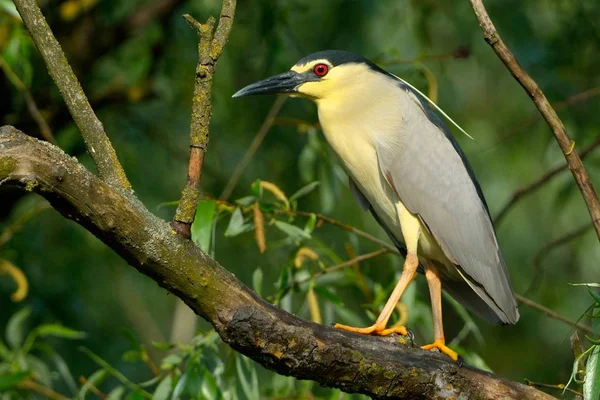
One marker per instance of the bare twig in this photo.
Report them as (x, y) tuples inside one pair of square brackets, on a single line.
[(461, 52), (89, 125), (345, 264), (524, 191), (569, 101), (10, 230), (344, 226), (533, 90), (30, 384), (560, 386), (32, 107), (545, 250), (552, 314), (210, 48), (256, 142)]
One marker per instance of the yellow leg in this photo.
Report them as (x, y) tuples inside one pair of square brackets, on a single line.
[(411, 229), (378, 328), (435, 292)]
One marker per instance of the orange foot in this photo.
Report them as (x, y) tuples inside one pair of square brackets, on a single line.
[(441, 346), (378, 330)]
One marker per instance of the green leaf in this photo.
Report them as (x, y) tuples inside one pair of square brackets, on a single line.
[(60, 364), (592, 284), (171, 361), (15, 328), (11, 380), (591, 385), (246, 201), (257, 279), (132, 356), (164, 388), (256, 189), (595, 295), (295, 233), (307, 163), (135, 395), (180, 387), (162, 345), (202, 226), (116, 393), (326, 191), (311, 223), (304, 190), (9, 7), (236, 224), (328, 295), (58, 330), (250, 388), (210, 389)]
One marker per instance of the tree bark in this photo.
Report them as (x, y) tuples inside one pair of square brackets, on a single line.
[(379, 367)]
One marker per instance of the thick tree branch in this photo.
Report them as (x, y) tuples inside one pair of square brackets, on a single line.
[(533, 90), (96, 140), (210, 48), (379, 367)]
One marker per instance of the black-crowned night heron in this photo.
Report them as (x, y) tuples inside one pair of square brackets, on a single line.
[(408, 170)]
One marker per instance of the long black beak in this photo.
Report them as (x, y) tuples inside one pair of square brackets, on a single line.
[(282, 83)]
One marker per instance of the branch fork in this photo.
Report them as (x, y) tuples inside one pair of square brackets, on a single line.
[(210, 47)]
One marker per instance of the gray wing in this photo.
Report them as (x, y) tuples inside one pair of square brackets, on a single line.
[(430, 174)]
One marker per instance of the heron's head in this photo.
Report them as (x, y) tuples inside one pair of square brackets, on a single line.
[(318, 76)]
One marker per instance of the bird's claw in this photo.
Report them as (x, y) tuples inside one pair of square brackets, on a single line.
[(377, 330), (441, 346)]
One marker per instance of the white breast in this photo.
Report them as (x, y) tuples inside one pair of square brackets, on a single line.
[(354, 121), (352, 128)]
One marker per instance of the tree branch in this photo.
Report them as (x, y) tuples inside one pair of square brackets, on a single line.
[(533, 90), (32, 107), (524, 191), (96, 140), (379, 367), (210, 48)]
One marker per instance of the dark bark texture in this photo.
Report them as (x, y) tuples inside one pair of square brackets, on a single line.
[(379, 367)]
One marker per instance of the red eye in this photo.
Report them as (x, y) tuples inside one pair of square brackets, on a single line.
[(321, 69)]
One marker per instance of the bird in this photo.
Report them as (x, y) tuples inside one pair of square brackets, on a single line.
[(408, 170)]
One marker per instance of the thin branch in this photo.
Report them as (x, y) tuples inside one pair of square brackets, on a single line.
[(344, 226), (560, 386), (256, 142), (345, 264), (380, 367), (210, 48), (547, 248), (533, 90), (29, 384), (461, 52), (32, 107), (524, 191), (526, 123), (552, 314), (96, 140)]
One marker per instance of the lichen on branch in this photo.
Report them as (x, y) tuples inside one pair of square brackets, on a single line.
[(211, 43), (379, 367)]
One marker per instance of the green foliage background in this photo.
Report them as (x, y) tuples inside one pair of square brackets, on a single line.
[(140, 82)]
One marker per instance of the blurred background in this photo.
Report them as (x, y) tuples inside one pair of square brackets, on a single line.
[(136, 60)]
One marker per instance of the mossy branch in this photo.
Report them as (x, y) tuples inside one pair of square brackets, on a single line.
[(96, 140), (379, 367), (210, 47)]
